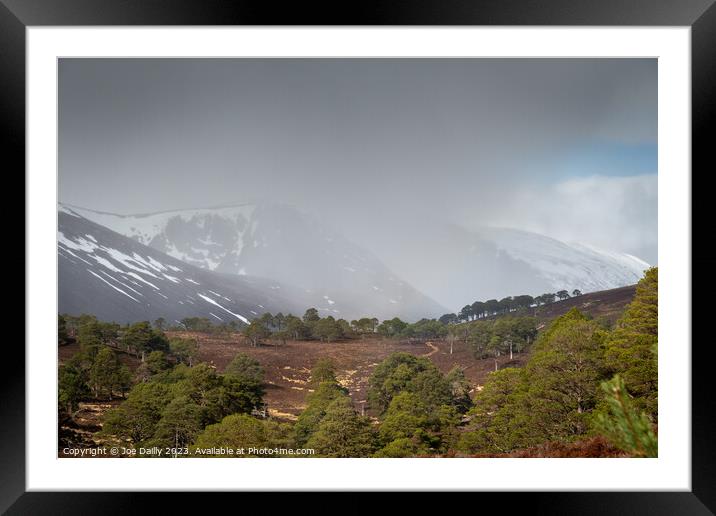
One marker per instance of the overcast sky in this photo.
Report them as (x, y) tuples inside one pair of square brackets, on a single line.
[(565, 147)]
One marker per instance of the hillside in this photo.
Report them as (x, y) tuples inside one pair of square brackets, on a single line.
[(605, 304), (418, 268), (284, 244), (288, 366), (118, 279)]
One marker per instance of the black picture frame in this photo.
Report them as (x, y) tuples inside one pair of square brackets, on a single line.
[(700, 15)]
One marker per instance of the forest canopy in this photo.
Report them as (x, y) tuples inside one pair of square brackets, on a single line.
[(580, 382)]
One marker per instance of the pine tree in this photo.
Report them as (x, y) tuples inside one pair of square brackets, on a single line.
[(629, 348), (342, 432), (624, 426), (105, 373), (317, 404), (245, 368), (256, 332), (72, 387), (241, 431), (323, 371), (180, 423)]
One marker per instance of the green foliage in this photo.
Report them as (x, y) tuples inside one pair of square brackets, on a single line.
[(326, 329), (180, 423), (459, 389), (479, 337), (241, 431), (491, 428), (63, 337), (311, 316), (624, 426), (345, 329), (184, 350), (141, 339), (157, 362), (448, 319), (107, 376), (391, 328), (342, 432), (501, 336), (406, 417), (364, 326), (564, 375), (317, 404), (296, 328), (72, 387), (432, 429), (418, 375), (245, 368), (465, 313), (323, 371), (556, 397), (550, 399), (418, 403), (89, 337), (257, 331), (431, 387), (198, 324), (426, 329), (403, 448), (572, 315), (138, 416), (562, 295), (198, 395), (392, 376), (629, 347)]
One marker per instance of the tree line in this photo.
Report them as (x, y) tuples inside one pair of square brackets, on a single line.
[(96, 369), (581, 380), (279, 328), (492, 307)]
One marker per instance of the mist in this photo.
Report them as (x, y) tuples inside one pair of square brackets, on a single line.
[(377, 148)]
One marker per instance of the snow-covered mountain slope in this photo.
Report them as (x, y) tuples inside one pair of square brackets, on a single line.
[(118, 279), (461, 266), (568, 265), (451, 264), (282, 243), (209, 238)]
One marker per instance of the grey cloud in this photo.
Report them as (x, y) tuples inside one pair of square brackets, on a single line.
[(355, 140)]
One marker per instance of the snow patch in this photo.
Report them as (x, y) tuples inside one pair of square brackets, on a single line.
[(115, 288), (138, 277), (209, 300)]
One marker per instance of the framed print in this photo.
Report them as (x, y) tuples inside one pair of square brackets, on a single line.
[(417, 253)]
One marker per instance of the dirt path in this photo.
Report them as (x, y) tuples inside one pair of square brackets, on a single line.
[(432, 346)]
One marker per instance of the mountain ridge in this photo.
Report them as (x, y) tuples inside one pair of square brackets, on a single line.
[(447, 262), (280, 242)]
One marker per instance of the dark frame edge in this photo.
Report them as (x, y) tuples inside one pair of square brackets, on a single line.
[(12, 134), (702, 500), (703, 113)]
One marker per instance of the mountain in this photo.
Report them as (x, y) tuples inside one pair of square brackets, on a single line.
[(484, 263), (118, 279), (451, 264), (272, 241), (568, 265)]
